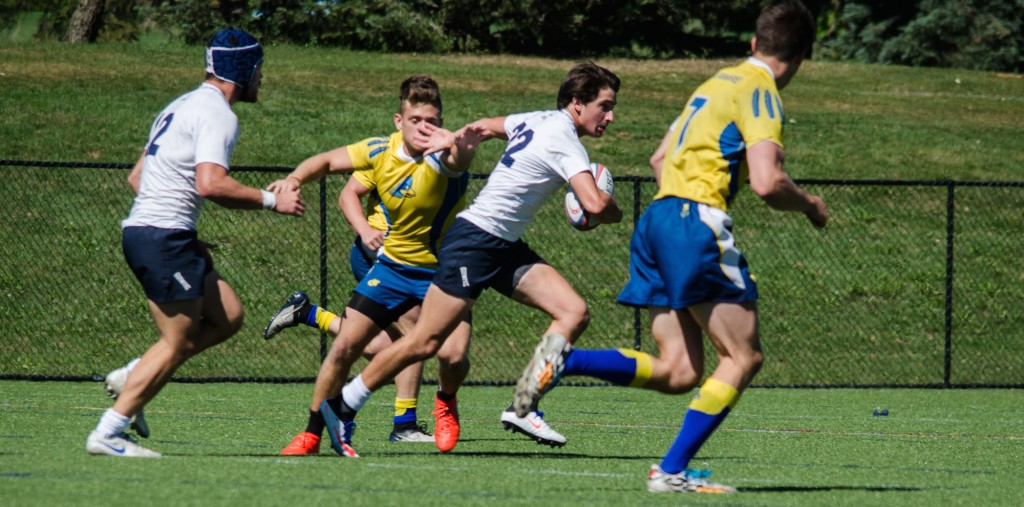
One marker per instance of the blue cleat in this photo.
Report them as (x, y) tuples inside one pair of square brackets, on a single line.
[(338, 431)]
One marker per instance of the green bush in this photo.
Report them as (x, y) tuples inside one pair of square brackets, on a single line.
[(973, 34)]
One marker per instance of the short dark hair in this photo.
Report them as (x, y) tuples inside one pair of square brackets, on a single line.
[(420, 89), (584, 82), (786, 31)]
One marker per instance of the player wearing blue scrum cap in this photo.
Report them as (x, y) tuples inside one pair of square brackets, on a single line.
[(184, 163)]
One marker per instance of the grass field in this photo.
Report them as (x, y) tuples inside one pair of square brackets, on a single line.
[(779, 447), (860, 302)]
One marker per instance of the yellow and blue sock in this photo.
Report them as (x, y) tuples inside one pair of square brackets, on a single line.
[(707, 410), (405, 411), (624, 367), (319, 318)]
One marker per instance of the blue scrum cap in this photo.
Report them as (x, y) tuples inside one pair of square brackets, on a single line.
[(233, 55)]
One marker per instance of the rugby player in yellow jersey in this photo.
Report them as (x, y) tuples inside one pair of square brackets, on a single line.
[(684, 264), (371, 227), (418, 175)]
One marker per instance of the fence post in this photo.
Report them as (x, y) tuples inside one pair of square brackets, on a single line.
[(636, 219), (950, 213), (323, 259)]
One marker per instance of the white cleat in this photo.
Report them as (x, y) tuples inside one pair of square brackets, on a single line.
[(116, 445), (288, 315), (687, 481), (115, 386), (416, 433), (542, 373), (533, 426)]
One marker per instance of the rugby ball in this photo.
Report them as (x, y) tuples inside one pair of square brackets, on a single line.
[(574, 212)]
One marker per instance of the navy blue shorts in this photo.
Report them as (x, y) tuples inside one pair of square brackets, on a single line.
[(683, 253), (360, 259), (169, 263), (472, 260)]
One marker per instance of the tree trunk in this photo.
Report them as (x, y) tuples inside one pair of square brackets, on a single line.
[(85, 22)]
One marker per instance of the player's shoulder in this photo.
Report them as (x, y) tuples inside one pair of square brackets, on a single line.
[(745, 75), (203, 107), (375, 146)]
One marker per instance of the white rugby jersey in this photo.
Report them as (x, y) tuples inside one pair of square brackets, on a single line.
[(197, 127), (543, 152)]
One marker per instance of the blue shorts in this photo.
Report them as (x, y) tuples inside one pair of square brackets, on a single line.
[(360, 259), (683, 253), (391, 284), (169, 263), (472, 260)]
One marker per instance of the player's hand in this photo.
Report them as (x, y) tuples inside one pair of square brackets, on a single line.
[(289, 202), (282, 185), (817, 213), (432, 139), (470, 136), (372, 239)]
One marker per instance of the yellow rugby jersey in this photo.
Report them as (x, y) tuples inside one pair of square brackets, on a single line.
[(375, 212), (419, 197), (706, 162)]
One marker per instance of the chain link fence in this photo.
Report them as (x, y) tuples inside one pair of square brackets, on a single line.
[(913, 283)]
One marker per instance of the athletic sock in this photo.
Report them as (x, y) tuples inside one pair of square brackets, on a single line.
[(445, 397), (405, 411), (315, 424), (318, 318), (624, 367), (355, 394), (112, 423), (707, 410), (343, 410)]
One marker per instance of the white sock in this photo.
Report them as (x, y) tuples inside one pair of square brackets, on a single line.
[(355, 394), (112, 423), (131, 364)]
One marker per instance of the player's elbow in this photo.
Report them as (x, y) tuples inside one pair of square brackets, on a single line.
[(768, 187), (605, 210)]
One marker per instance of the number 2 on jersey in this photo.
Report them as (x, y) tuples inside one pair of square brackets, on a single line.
[(164, 123), (520, 138)]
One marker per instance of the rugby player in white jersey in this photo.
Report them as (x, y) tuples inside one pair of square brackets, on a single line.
[(185, 162), (483, 248)]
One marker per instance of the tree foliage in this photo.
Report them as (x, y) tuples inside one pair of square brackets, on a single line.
[(975, 34), (980, 34)]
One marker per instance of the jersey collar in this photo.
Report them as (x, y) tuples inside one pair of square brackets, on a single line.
[(762, 64)]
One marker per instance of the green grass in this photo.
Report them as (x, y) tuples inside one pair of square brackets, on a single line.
[(95, 103), (861, 302), (779, 447)]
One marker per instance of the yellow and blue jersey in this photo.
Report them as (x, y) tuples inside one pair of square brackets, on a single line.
[(706, 160), (418, 197)]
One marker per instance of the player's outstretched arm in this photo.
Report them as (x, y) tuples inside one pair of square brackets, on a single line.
[(770, 182), (214, 183), (334, 161)]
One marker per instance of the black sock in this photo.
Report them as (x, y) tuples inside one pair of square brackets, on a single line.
[(315, 425), (445, 397), (345, 412), (303, 314), (411, 425)]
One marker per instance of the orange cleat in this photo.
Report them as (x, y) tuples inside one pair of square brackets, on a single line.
[(446, 426), (304, 444)]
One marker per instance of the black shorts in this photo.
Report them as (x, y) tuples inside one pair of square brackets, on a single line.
[(472, 260), (169, 263)]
